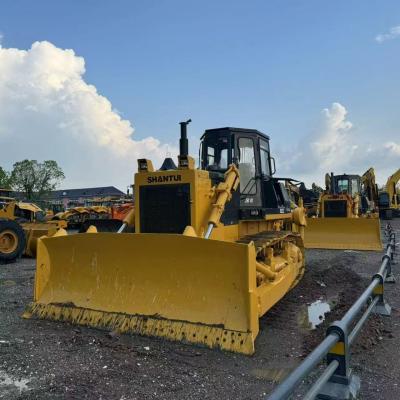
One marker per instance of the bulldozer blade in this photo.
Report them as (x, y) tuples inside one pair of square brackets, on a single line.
[(173, 286), (343, 233)]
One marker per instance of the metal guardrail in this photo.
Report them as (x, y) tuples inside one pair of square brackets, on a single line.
[(337, 380)]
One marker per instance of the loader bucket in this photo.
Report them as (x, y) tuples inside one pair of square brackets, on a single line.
[(172, 286), (33, 231), (102, 225), (343, 233)]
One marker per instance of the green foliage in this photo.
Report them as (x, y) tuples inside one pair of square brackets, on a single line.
[(36, 179), (5, 179)]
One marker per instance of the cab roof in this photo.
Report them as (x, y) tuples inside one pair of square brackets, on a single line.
[(348, 176), (233, 130)]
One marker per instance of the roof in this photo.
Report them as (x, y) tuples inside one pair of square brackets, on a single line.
[(85, 192), (238, 130), (29, 207), (349, 176)]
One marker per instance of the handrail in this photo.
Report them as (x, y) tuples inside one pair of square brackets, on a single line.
[(336, 345)]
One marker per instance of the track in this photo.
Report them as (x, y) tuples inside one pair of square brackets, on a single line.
[(265, 239)]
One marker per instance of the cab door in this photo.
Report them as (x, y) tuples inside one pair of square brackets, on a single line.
[(249, 170)]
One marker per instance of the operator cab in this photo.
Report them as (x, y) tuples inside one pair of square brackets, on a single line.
[(350, 184), (260, 194), (346, 184)]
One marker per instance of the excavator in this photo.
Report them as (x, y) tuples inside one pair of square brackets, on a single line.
[(369, 191), (212, 250), (389, 198), (21, 224), (345, 218), (297, 190)]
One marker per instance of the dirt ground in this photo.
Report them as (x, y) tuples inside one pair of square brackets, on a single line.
[(47, 360)]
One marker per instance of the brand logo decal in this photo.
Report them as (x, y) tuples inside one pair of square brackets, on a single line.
[(164, 178)]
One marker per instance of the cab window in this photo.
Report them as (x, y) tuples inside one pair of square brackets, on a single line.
[(223, 160), (210, 155), (343, 185), (354, 187), (264, 154), (216, 151), (247, 166)]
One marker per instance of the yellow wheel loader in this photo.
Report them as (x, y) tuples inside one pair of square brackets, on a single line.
[(389, 198), (213, 249), (12, 240), (20, 227), (345, 219)]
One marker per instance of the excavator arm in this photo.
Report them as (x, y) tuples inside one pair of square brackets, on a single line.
[(391, 189), (368, 183)]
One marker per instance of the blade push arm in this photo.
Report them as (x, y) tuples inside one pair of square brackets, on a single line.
[(224, 194)]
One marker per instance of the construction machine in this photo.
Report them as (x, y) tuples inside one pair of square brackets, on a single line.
[(213, 249), (369, 191), (389, 198), (297, 190), (118, 214), (12, 237), (76, 217), (310, 198), (344, 218), (21, 224)]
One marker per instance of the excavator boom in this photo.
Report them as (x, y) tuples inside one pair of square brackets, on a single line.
[(389, 198)]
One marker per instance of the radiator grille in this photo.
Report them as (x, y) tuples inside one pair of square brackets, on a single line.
[(336, 208), (164, 208)]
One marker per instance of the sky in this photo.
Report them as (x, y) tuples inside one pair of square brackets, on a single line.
[(96, 84)]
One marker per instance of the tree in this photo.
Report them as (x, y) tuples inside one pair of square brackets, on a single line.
[(5, 179), (36, 179)]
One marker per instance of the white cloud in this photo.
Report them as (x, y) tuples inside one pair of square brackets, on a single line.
[(331, 145), (336, 146), (48, 111), (393, 148), (393, 33)]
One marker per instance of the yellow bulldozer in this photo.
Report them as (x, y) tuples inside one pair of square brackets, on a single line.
[(389, 198), (345, 219), (21, 224), (213, 249)]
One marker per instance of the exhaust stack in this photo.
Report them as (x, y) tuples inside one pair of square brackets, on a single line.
[(183, 141)]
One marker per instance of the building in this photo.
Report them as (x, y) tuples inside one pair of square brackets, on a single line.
[(71, 197), (59, 200)]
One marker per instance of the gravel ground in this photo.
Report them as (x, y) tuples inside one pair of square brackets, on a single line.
[(49, 360)]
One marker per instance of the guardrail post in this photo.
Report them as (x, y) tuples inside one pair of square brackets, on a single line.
[(343, 384), (393, 245), (389, 276), (391, 261), (381, 307)]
